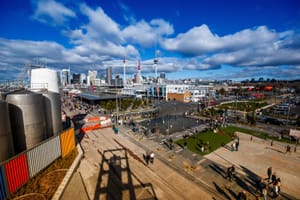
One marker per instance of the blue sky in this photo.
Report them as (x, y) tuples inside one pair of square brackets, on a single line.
[(206, 39)]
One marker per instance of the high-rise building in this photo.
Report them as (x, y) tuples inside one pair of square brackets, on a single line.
[(82, 78), (92, 75), (109, 75), (76, 78), (65, 77)]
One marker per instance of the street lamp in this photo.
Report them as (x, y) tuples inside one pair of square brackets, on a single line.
[(117, 106)]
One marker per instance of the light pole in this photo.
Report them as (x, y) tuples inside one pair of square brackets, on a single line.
[(117, 106)]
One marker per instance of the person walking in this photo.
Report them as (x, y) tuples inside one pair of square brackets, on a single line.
[(230, 172), (237, 145), (273, 178), (269, 173), (233, 146), (275, 189), (147, 158), (279, 184), (152, 157), (265, 192)]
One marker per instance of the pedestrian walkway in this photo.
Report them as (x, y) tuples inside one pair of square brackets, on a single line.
[(113, 166), (75, 189), (251, 161)]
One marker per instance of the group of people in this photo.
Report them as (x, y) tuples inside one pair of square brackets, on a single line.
[(149, 157), (275, 181), (273, 184)]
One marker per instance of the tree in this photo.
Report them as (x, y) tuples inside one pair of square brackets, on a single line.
[(221, 91)]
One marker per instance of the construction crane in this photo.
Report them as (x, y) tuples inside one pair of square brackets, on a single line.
[(25, 75)]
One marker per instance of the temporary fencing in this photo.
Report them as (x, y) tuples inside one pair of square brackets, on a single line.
[(16, 171)]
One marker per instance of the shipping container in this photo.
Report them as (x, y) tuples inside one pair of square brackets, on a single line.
[(16, 171), (3, 190), (67, 140), (41, 156)]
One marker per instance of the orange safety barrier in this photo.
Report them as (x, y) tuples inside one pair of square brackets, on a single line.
[(102, 124), (91, 119), (89, 128)]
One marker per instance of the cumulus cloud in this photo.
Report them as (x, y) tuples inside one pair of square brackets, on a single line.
[(100, 36), (101, 42), (147, 34), (200, 40), (52, 12), (259, 46), (100, 25)]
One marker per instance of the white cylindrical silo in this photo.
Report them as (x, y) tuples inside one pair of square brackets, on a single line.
[(44, 78), (6, 142)]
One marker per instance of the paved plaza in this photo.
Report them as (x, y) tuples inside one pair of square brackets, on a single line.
[(114, 167)]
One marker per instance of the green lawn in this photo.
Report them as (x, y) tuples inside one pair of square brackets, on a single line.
[(212, 141), (209, 140)]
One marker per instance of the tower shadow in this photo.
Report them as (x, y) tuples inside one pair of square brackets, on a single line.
[(116, 181)]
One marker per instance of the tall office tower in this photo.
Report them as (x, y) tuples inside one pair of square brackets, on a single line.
[(76, 78), (65, 77), (92, 75), (109, 75), (82, 78)]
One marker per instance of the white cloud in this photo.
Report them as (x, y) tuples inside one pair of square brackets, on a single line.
[(100, 26), (100, 36), (52, 12), (200, 40), (102, 42), (196, 41), (250, 47), (147, 34)]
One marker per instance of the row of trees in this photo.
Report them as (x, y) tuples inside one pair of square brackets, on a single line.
[(123, 104)]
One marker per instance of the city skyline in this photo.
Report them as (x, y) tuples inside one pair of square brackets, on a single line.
[(216, 40)]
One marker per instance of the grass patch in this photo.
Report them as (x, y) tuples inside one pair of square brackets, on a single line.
[(211, 141)]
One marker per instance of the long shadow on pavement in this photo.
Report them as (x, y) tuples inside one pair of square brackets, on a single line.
[(218, 169), (221, 191), (116, 179)]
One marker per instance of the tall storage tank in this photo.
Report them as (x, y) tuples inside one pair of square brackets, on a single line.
[(45, 78), (6, 142), (27, 119), (52, 106)]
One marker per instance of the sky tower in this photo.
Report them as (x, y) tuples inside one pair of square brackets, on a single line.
[(155, 67), (139, 72), (124, 72)]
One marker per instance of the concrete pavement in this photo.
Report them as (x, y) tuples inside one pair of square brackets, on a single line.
[(113, 167)]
